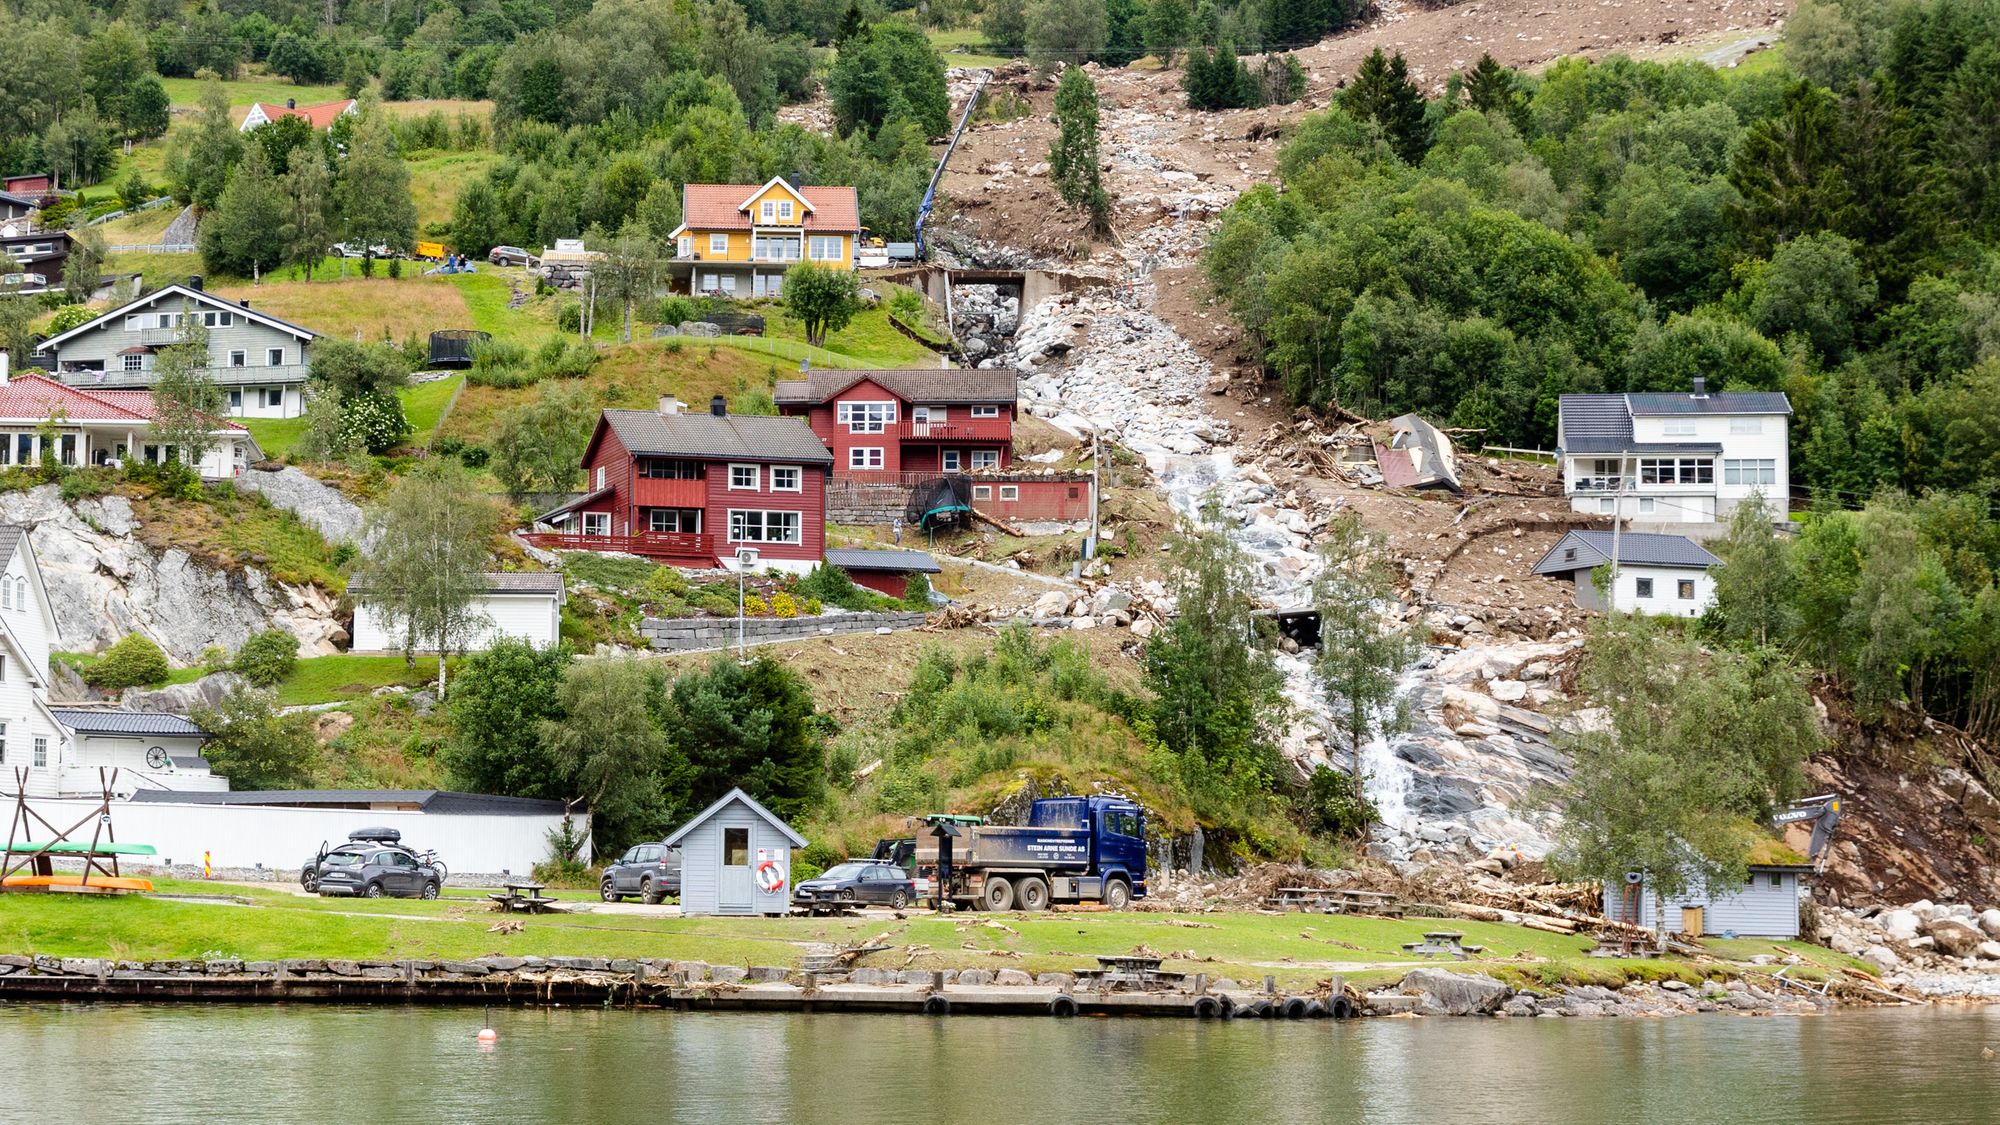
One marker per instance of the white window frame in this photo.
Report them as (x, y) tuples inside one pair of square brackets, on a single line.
[(274, 397), (986, 412), (134, 362), (866, 417), (1604, 505), (982, 492), (135, 322), (274, 357), (600, 478), (236, 398), (718, 244), (753, 478), (794, 524), (985, 459), (1010, 492), (924, 414), (793, 473), (825, 248), (768, 210), (3, 742), (1647, 505), (239, 358), (653, 520), (1679, 427), (785, 210), (1752, 471), (866, 458), (950, 460), (595, 523), (41, 753), (1746, 425)]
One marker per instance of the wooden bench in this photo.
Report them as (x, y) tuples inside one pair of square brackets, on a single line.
[(1322, 900)]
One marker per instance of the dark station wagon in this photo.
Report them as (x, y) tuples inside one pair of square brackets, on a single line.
[(857, 882)]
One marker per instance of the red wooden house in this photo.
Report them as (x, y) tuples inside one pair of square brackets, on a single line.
[(923, 420), (692, 489)]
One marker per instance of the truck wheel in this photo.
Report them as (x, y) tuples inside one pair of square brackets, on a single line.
[(997, 895), (1031, 894), (1117, 894)]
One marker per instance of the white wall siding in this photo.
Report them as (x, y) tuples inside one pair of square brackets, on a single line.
[(1665, 598), (701, 863), (282, 839), (1761, 909), (535, 618)]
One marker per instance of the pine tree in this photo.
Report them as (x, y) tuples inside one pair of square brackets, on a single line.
[(852, 24), (1167, 26), (1073, 158), (1491, 88), (1788, 170), (201, 168), (1382, 92)]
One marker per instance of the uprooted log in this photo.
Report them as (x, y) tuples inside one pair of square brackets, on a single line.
[(997, 524), (1545, 922)]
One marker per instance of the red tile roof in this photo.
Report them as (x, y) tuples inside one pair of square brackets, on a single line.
[(718, 207), (321, 116), (39, 397)]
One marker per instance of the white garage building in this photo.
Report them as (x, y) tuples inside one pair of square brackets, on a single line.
[(524, 605)]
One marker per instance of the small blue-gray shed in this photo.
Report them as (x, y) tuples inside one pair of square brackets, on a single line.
[(722, 850)]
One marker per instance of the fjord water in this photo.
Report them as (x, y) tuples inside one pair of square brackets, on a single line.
[(297, 1063)]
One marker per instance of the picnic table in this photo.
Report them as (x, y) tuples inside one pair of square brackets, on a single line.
[(1325, 900), (1127, 971), (524, 896), (1446, 943)]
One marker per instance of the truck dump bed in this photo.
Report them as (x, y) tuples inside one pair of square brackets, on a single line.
[(1001, 846)]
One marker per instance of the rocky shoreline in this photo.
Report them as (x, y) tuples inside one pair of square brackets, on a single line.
[(567, 981)]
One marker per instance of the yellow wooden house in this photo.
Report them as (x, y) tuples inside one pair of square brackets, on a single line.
[(737, 240)]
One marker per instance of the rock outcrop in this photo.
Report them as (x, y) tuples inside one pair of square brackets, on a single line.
[(318, 504), (104, 583)]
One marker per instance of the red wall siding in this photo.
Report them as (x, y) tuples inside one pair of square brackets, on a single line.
[(887, 582), (1038, 500), (916, 456), (618, 470), (811, 500)]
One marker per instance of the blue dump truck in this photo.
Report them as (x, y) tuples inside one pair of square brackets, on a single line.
[(1073, 849)]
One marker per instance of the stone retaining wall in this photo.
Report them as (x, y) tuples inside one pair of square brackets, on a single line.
[(865, 505), (692, 634)]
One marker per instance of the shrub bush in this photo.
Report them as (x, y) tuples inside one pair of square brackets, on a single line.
[(917, 595), (831, 585), (132, 662), (784, 605), (373, 420), (267, 658)]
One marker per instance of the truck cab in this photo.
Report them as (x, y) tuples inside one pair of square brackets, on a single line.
[(1117, 832)]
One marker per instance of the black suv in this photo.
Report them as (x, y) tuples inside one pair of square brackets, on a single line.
[(651, 871)]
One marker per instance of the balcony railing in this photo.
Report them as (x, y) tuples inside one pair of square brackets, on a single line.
[(970, 429), (674, 546), (226, 376), (1598, 484), (652, 492)]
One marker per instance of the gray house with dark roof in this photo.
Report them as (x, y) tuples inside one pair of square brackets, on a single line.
[(1660, 574), (260, 361), (1675, 458)]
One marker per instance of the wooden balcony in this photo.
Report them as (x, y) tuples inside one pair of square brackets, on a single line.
[(653, 492), (675, 547), (969, 429)]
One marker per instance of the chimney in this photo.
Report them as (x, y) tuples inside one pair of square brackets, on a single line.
[(1700, 387), (671, 406), (796, 179), (718, 406), (244, 301), (291, 103), (194, 282)]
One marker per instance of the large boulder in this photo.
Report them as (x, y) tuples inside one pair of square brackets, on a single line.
[(1989, 920), (1899, 924), (1955, 937), (317, 504), (1440, 992)]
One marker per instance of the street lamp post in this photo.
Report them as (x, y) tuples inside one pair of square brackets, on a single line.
[(746, 557)]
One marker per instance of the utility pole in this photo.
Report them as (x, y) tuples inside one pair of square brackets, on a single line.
[(1096, 477)]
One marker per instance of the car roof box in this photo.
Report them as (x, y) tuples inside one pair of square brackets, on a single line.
[(382, 835)]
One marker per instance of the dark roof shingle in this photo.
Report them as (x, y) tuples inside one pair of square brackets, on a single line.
[(855, 558), (1721, 402), (1635, 548), (915, 385), (435, 801), (497, 582), (97, 720), (732, 437)]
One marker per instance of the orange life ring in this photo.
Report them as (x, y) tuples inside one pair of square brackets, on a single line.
[(770, 877)]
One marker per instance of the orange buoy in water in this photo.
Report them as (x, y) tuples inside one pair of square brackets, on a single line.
[(488, 1035)]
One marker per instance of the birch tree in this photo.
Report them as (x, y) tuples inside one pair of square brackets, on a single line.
[(425, 569), (186, 400), (1361, 652), (307, 227)]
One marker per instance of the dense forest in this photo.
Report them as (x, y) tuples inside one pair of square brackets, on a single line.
[(1829, 228)]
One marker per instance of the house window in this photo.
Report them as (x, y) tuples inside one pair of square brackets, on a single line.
[(986, 412), (736, 847), (766, 527), (1676, 470), (67, 446), (1777, 880), (671, 470), (1746, 425), (718, 244), (274, 396), (167, 320), (237, 358), (1010, 492), (274, 357), (1647, 505), (135, 363), (985, 459), (597, 523), (1569, 554), (600, 476), (236, 399), (865, 457), (769, 211), (1680, 428), (951, 460), (3, 742), (135, 322), (1686, 589), (865, 417), (743, 477), (24, 449), (787, 478), (925, 414), (6, 599), (663, 519), (982, 492), (1763, 470), (785, 209), (772, 249), (826, 248), (41, 752), (687, 246), (1604, 505), (1644, 588)]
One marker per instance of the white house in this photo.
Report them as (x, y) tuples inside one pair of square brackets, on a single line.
[(41, 417), (260, 362), (524, 605), (1674, 458), (62, 749), (1662, 574)]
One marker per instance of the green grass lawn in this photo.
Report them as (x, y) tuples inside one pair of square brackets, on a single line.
[(328, 679), (243, 91), (965, 46), (436, 178), (275, 436), (424, 405), (1296, 949), (82, 660)]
